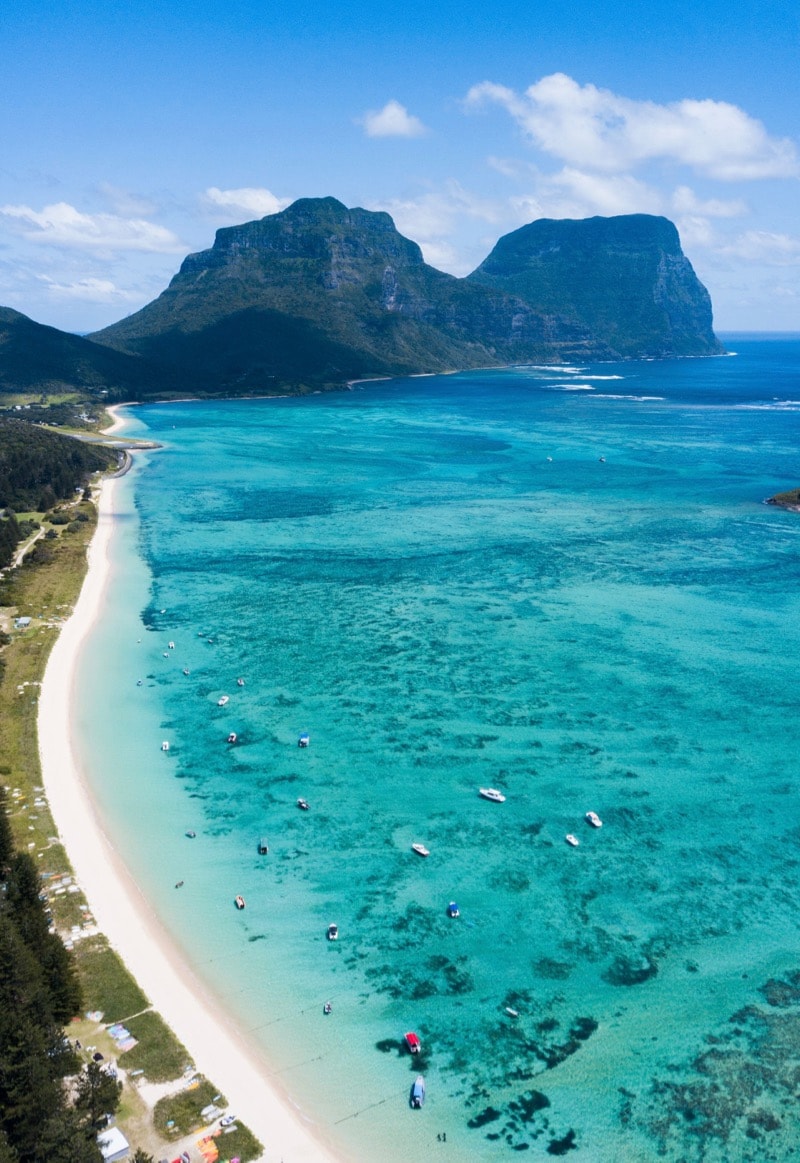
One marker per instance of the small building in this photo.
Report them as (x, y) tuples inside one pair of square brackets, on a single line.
[(22, 623), (113, 1145)]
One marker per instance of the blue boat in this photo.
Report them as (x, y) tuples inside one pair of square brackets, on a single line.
[(452, 909), (304, 740)]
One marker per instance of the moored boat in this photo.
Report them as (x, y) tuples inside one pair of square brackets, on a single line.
[(223, 700), (418, 1092), (191, 833), (240, 682), (333, 932), (165, 745), (491, 793), (573, 840), (232, 737), (413, 1042), (420, 850), (304, 740), (302, 804), (593, 819), (239, 902), (452, 910), (263, 846)]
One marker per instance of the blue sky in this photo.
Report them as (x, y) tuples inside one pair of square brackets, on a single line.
[(131, 132)]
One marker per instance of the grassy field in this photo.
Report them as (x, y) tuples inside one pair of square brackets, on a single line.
[(45, 587)]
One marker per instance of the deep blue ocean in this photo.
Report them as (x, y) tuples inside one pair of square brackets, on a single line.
[(559, 582)]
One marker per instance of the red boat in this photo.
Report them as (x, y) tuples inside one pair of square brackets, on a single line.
[(413, 1042)]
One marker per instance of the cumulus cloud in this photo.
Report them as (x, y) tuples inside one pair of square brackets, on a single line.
[(685, 201), (763, 246), (246, 202), (393, 120), (63, 225), (593, 128), (90, 290), (433, 217)]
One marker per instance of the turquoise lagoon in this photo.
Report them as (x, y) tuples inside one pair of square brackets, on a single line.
[(559, 582)]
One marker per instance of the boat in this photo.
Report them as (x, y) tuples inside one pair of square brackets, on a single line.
[(165, 746), (326, 1009), (239, 902), (263, 846), (418, 1092), (573, 840), (138, 682), (240, 682), (171, 645), (191, 833), (186, 670), (333, 932), (420, 849), (232, 737), (413, 1042), (512, 1013), (179, 883), (223, 700), (302, 804), (452, 910), (304, 740), (491, 793), (593, 819)]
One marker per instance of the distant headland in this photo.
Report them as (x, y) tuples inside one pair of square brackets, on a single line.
[(319, 295)]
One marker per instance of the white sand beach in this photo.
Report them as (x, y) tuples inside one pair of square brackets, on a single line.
[(218, 1050)]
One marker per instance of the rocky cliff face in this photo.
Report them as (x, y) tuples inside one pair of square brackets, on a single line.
[(319, 294), (625, 279)]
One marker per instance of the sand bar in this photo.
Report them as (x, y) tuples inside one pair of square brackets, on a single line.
[(123, 914)]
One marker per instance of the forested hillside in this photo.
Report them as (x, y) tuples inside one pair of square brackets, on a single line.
[(38, 468)]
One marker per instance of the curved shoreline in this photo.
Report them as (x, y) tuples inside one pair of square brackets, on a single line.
[(123, 914)]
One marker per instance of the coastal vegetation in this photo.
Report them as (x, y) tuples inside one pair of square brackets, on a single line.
[(787, 500), (51, 1089)]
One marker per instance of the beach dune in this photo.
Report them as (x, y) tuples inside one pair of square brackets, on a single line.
[(217, 1049)]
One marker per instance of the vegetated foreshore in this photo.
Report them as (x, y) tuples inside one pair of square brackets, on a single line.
[(218, 1049)]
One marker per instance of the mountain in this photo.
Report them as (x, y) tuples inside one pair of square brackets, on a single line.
[(625, 279), (319, 294), (36, 358)]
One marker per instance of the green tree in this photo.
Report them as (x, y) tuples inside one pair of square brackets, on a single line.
[(98, 1093), (66, 1138), (6, 838), (23, 889), (139, 1156)]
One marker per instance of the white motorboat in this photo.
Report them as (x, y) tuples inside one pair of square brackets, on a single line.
[(420, 850), (593, 819), (573, 840), (491, 793), (333, 932), (223, 700), (165, 745)]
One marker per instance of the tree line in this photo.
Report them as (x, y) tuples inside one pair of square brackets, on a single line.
[(50, 1107)]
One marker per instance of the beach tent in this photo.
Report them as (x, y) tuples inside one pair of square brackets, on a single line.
[(113, 1145)]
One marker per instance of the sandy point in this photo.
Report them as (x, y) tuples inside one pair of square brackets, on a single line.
[(218, 1050)]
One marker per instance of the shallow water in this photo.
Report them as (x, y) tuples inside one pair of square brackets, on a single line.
[(443, 582)]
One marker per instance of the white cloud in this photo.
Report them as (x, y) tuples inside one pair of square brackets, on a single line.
[(90, 290), (393, 120), (573, 193), (763, 246), (432, 218), (62, 225), (246, 202), (685, 201), (596, 129)]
